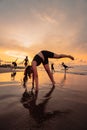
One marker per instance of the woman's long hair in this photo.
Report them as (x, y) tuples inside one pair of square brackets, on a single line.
[(28, 71)]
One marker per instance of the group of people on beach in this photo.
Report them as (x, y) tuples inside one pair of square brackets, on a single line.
[(25, 61), (42, 57)]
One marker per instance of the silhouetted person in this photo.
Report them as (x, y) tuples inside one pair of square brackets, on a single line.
[(42, 57), (14, 63), (52, 67), (65, 66), (26, 61)]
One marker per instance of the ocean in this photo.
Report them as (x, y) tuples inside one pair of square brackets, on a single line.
[(76, 69), (73, 69)]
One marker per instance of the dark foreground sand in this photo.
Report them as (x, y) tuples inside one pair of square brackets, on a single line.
[(61, 108)]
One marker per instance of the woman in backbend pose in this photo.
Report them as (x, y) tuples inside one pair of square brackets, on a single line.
[(42, 57)]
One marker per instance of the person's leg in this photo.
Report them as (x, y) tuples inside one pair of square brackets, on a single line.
[(35, 74), (49, 73), (63, 56)]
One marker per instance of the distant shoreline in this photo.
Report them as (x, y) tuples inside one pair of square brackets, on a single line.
[(8, 69)]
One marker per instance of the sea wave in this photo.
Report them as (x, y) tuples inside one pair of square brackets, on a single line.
[(78, 70)]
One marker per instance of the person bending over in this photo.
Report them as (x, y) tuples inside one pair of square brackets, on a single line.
[(42, 57)]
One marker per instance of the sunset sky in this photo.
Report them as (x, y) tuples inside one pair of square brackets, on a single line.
[(28, 26)]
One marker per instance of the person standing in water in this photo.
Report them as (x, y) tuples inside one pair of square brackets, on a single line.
[(42, 57)]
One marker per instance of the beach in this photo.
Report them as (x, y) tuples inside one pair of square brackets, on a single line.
[(63, 107)]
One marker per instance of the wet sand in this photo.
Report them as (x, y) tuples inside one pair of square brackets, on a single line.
[(63, 107)]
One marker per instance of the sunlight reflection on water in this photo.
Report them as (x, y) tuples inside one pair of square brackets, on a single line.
[(71, 81)]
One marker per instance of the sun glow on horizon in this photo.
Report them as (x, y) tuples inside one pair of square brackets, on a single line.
[(31, 26), (15, 54)]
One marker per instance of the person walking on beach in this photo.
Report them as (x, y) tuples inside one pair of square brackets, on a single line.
[(26, 61), (42, 57)]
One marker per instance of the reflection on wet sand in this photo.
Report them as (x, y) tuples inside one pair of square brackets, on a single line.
[(63, 80), (50, 108), (13, 74), (38, 111)]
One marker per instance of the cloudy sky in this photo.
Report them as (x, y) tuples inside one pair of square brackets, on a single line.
[(28, 26)]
